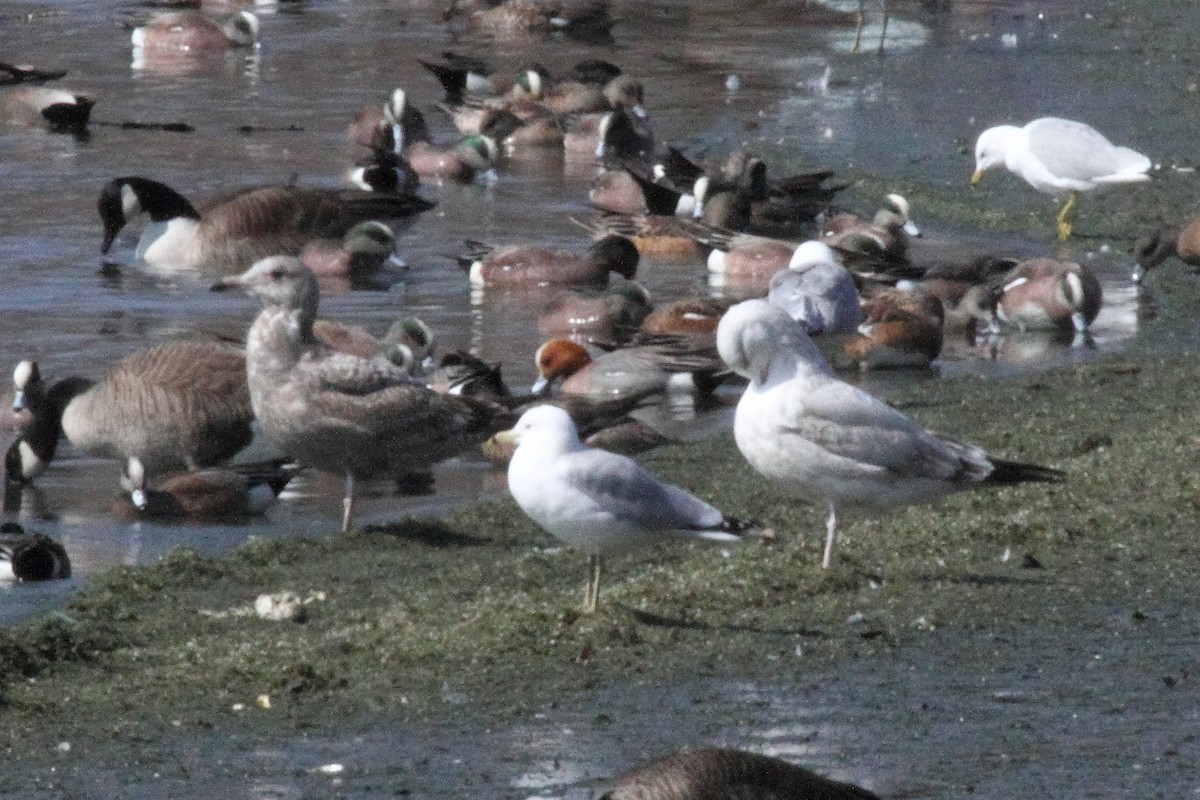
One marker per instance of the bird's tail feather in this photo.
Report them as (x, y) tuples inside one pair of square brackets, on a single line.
[(1009, 472)]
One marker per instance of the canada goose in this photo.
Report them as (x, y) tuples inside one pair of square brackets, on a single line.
[(239, 229), (32, 556), (192, 31), (334, 411), (712, 773), (209, 494), (57, 109), (178, 405)]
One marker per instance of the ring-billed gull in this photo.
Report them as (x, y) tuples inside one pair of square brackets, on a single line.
[(826, 441), (1058, 156), (599, 501), (712, 772), (357, 417), (817, 291)]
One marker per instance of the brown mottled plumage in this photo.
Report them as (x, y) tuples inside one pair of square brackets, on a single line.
[(723, 774), (337, 412)]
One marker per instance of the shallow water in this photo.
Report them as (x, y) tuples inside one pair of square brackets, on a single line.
[(321, 61)]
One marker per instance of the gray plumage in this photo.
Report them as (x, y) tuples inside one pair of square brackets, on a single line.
[(1073, 150), (363, 418), (724, 774)]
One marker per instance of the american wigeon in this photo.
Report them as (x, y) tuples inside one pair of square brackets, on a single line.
[(393, 125), (1043, 293), (1155, 247), (1058, 156), (695, 317), (531, 265), (969, 290), (408, 343), (460, 75), (338, 413), (461, 373), (899, 329), (209, 495), (194, 32), (829, 442), (58, 110), (521, 18), (362, 251), (612, 316), (460, 162), (178, 405), (599, 501), (743, 255), (236, 230), (716, 772), (882, 240), (816, 291), (386, 172), (672, 363), (658, 237), (31, 556)]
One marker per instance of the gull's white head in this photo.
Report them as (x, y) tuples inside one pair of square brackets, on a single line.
[(25, 375), (810, 254), (991, 148), (757, 339), (544, 424)]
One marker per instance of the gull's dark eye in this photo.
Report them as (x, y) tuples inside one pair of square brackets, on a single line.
[(276, 274)]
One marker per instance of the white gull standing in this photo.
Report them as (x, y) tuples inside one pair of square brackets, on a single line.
[(599, 501), (1056, 155), (829, 442)]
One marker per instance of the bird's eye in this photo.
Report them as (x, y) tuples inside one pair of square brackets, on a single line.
[(275, 274)]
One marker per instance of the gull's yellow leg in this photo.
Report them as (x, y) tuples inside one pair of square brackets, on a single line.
[(1064, 226)]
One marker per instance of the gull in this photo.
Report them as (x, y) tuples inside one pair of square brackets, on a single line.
[(337, 412), (1056, 155), (817, 291), (599, 501), (828, 442)]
